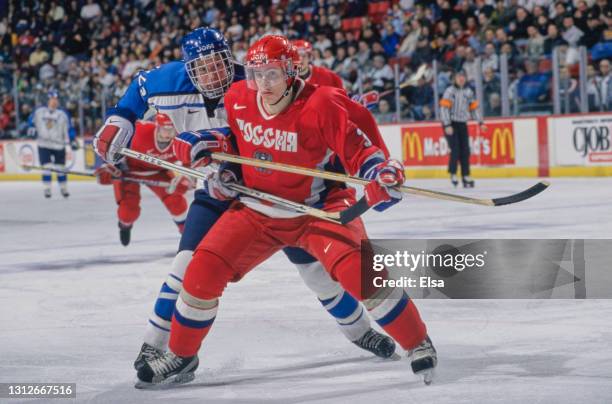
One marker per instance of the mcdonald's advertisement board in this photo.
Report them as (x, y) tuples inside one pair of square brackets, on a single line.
[(426, 145)]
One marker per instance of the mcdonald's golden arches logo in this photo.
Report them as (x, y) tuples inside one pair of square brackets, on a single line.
[(411, 145), (503, 143)]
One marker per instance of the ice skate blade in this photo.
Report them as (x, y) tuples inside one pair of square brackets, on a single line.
[(394, 357), (166, 384), (428, 376)]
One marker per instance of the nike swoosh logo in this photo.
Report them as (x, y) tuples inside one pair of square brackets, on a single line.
[(192, 111), (327, 248), (236, 106)]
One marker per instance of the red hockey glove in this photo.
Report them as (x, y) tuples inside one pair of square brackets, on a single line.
[(193, 149), (114, 135), (180, 185), (379, 193), (106, 173)]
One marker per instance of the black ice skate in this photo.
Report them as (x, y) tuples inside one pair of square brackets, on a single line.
[(454, 180), (468, 182), (124, 234), (166, 370), (424, 359), (47, 193), (147, 353), (65, 193), (377, 343)]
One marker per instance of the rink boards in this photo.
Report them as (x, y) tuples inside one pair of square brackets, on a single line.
[(537, 146)]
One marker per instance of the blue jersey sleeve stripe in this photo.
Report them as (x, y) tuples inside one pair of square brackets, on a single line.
[(186, 104)]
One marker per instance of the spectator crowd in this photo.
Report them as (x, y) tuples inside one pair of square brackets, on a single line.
[(88, 50)]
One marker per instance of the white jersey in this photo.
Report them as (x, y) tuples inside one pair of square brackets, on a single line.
[(167, 89), (52, 126)]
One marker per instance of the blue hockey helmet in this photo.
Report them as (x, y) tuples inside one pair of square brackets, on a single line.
[(208, 61)]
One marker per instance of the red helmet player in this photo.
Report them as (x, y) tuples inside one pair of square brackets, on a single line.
[(164, 128), (313, 74), (304, 55), (270, 68)]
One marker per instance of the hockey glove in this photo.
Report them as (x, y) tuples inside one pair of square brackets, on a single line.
[(180, 184), (380, 193), (114, 135), (193, 149), (106, 173), (215, 184)]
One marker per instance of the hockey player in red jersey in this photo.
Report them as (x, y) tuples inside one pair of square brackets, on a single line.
[(360, 115), (314, 74), (276, 116), (152, 138)]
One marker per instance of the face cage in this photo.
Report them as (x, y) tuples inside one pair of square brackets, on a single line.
[(216, 69), (285, 65)]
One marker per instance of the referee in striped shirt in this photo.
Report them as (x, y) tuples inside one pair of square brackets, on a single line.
[(457, 105)]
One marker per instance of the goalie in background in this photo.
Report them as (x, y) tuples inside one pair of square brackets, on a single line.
[(52, 128), (153, 138)]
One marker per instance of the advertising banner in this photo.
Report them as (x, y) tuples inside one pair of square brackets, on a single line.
[(582, 140), (25, 152), (426, 145)]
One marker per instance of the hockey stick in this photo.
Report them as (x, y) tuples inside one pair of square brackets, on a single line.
[(373, 97), (514, 198), (152, 183), (412, 80), (342, 217)]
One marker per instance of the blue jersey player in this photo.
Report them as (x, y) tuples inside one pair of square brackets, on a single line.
[(191, 93)]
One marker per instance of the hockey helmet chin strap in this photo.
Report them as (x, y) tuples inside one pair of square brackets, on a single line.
[(287, 92)]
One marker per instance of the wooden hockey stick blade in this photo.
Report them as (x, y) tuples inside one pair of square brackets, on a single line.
[(328, 175), (342, 217), (411, 81)]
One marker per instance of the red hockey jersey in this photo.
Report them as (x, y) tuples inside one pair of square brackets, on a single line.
[(359, 114), (324, 77), (144, 141), (308, 133)]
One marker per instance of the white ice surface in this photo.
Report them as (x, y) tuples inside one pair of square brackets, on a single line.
[(74, 303)]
